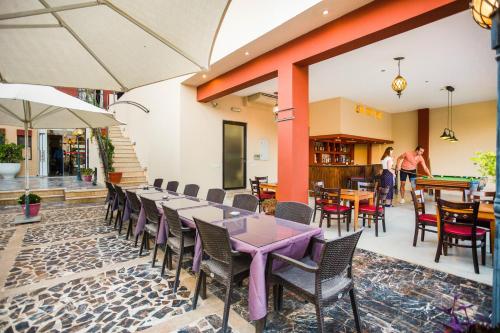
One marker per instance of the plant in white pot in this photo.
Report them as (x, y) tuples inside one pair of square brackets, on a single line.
[(486, 163), (11, 156)]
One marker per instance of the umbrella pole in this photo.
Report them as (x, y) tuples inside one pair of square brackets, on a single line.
[(26, 171)]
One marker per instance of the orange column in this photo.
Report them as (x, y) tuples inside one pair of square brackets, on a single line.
[(293, 135)]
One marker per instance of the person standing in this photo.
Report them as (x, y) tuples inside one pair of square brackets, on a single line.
[(387, 178), (407, 167)]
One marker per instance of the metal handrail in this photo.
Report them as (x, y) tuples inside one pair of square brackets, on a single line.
[(137, 105)]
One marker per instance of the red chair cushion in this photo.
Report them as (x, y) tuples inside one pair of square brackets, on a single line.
[(265, 196), (333, 208), (428, 218), (462, 230), (269, 192), (321, 201), (370, 209)]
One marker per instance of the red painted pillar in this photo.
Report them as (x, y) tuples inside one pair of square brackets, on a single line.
[(293, 135)]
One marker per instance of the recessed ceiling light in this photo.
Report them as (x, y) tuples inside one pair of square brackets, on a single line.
[(325, 12), (426, 81), (247, 53), (204, 76), (382, 70)]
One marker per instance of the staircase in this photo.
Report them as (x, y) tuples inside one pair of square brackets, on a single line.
[(125, 160)]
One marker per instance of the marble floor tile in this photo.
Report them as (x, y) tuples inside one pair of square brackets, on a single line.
[(210, 324)]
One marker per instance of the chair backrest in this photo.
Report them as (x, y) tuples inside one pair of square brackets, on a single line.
[(152, 214), (367, 186), (172, 186), (134, 201), (216, 195), (255, 187), (191, 190), (111, 190), (246, 201), (381, 195), (418, 202), (458, 213), (336, 256), (215, 241), (264, 179), (484, 197), (158, 182), (333, 194), (317, 185), (294, 211), (173, 220), (121, 195)]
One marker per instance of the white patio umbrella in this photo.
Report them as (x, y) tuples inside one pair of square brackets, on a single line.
[(32, 106), (106, 44)]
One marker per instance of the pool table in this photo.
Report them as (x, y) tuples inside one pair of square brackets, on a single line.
[(450, 183)]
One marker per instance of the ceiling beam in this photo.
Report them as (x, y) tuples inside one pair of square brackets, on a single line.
[(371, 23)]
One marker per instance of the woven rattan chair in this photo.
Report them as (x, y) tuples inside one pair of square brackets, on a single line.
[(458, 220), (172, 186), (191, 190), (216, 195), (135, 207), (422, 220), (152, 224), (121, 208), (158, 182), (246, 202), (294, 211), (110, 200), (225, 265), (375, 213), (321, 283), (180, 240), (334, 209)]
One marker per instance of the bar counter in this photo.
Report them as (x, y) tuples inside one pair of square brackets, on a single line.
[(338, 175)]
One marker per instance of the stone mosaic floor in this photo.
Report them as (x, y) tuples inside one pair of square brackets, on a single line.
[(72, 273)]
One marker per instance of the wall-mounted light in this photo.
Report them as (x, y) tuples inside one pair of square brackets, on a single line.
[(399, 83)]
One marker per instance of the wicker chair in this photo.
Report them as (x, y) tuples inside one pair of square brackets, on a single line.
[(111, 199), (334, 208), (375, 213), (172, 186), (227, 266), (191, 190), (321, 283), (158, 182), (260, 195), (294, 211), (216, 195), (152, 224), (458, 220), (135, 206), (121, 208), (318, 198), (422, 220), (246, 202), (180, 240)]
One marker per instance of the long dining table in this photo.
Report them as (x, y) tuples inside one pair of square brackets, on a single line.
[(250, 232)]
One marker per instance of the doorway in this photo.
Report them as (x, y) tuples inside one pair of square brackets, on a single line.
[(56, 154), (234, 152)]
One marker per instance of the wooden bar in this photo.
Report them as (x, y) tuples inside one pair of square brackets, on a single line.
[(338, 175)]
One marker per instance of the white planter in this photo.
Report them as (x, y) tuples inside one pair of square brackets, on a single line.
[(9, 170)]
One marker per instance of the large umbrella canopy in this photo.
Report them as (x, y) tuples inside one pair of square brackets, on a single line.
[(106, 44), (47, 107)]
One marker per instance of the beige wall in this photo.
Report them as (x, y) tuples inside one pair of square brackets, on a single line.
[(11, 137), (324, 117), (361, 124), (475, 127), (404, 131)]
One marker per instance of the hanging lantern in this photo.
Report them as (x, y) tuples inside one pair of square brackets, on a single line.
[(446, 134), (399, 83), (482, 10)]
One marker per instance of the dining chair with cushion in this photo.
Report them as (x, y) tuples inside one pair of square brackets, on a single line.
[(152, 224), (135, 209), (422, 219), (259, 194), (179, 241), (264, 179), (172, 186), (319, 199), (487, 198), (110, 200), (158, 182), (221, 262), (375, 213), (121, 208), (334, 209), (458, 220), (294, 211), (191, 190), (216, 195), (246, 202), (321, 282)]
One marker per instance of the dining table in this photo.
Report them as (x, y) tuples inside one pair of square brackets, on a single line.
[(356, 196), (269, 187)]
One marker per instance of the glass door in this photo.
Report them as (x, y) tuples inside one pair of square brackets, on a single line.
[(234, 151), (42, 153)]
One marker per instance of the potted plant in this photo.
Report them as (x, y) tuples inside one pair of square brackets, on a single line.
[(486, 163), (34, 203), (11, 155), (113, 177), (87, 174)]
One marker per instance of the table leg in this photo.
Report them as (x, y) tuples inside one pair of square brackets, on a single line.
[(492, 235), (356, 213), (260, 325)]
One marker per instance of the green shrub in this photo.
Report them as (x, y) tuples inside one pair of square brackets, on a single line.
[(11, 153), (110, 152), (486, 163), (34, 199), (87, 171)]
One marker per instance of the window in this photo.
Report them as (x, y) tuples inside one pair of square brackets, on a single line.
[(20, 141)]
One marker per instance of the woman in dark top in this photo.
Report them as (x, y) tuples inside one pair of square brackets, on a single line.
[(387, 178)]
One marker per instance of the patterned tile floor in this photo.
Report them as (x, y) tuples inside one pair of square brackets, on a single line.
[(72, 272)]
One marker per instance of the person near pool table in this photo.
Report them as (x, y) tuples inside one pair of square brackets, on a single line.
[(407, 167)]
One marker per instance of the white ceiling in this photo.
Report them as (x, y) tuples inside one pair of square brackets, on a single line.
[(453, 51)]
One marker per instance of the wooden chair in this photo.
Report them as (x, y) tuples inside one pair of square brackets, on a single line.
[(318, 196), (334, 208), (260, 195), (422, 219), (375, 213)]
